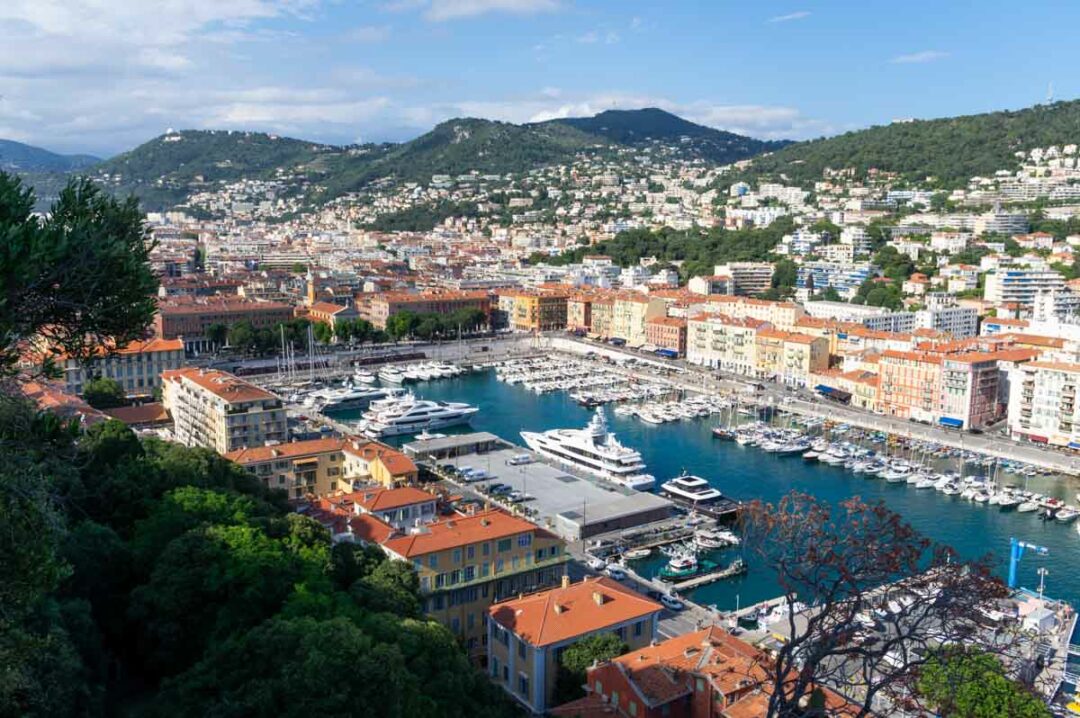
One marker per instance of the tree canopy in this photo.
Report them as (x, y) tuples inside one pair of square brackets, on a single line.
[(104, 393), (972, 684)]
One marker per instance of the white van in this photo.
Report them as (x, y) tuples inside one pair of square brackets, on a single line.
[(519, 459)]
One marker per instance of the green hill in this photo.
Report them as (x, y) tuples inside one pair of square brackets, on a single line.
[(17, 157), (951, 149), (639, 127)]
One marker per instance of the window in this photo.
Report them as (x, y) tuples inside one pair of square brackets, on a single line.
[(621, 633), (455, 625), (699, 685), (499, 566), (514, 561), (598, 688), (455, 577), (440, 580), (485, 569), (470, 573), (457, 555), (433, 561), (504, 545), (615, 698), (523, 684), (470, 621), (639, 627), (522, 650), (494, 667), (487, 549), (633, 708), (524, 540), (470, 552)]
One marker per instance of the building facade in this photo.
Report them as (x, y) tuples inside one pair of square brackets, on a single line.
[(137, 367)]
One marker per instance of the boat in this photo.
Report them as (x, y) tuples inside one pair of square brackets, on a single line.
[(364, 377), (595, 450), (351, 397), (896, 473), (637, 553), (692, 491), (682, 566), (1066, 515), (390, 375), (811, 455), (411, 416), (1028, 507), (722, 433), (715, 538)]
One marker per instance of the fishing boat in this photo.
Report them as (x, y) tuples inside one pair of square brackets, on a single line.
[(682, 566)]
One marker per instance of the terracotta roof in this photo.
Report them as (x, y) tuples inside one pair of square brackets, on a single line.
[(381, 499), (397, 463), (327, 308), (185, 305), (461, 531), (370, 529), (591, 706), (226, 386), (153, 413), (291, 450), (667, 321), (1056, 366), (559, 614)]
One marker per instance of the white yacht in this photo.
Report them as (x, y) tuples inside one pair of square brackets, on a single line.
[(410, 415), (352, 397), (594, 450), (391, 375), (690, 490)]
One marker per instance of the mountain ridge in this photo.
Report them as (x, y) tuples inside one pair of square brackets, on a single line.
[(19, 156)]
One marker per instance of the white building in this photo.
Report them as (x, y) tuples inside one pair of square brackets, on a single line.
[(750, 277), (1021, 286), (1042, 404)]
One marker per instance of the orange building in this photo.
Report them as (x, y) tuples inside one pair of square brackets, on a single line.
[(380, 306), (667, 333), (190, 318)]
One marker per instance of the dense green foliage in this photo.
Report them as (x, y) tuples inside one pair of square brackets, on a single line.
[(971, 684), (636, 127), (577, 658), (432, 326), (104, 393), (951, 149), (146, 574), (78, 279), (699, 250)]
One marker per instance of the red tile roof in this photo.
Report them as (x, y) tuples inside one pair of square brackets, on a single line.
[(461, 531), (559, 614)]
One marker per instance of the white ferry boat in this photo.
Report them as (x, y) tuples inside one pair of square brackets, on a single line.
[(594, 450), (412, 416)]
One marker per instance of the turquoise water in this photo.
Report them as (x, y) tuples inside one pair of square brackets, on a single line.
[(747, 473)]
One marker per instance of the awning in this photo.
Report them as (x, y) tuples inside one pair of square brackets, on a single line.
[(1074, 445), (949, 421), (1037, 439), (833, 393)]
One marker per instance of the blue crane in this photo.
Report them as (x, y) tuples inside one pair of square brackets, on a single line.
[(1016, 552)]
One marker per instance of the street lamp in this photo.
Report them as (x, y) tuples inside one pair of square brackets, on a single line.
[(1043, 573)]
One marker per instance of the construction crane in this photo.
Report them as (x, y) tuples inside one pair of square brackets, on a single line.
[(1016, 552)]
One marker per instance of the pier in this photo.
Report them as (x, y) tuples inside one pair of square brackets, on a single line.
[(710, 577)]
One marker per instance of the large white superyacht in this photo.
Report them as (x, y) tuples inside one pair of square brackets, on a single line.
[(595, 450)]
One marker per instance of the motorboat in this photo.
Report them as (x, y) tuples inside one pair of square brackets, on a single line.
[(391, 375), (364, 377), (1027, 507), (595, 450), (1066, 515), (715, 538), (692, 491), (411, 416), (637, 553)]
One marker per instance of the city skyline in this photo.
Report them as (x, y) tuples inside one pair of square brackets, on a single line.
[(80, 78)]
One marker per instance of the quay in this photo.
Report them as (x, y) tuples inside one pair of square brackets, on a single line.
[(711, 577)]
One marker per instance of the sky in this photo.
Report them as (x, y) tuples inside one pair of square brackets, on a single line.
[(102, 76)]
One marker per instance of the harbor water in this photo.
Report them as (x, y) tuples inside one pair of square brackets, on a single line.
[(748, 473)]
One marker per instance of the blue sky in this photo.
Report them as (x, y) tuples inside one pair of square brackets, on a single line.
[(103, 75)]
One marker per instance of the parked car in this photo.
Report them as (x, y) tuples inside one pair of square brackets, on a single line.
[(672, 603), (615, 572)]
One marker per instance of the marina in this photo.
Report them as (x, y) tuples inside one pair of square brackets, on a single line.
[(746, 472)]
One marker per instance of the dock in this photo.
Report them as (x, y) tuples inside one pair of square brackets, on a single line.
[(710, 577)]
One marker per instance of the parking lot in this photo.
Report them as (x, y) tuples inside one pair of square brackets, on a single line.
[(566, 503)]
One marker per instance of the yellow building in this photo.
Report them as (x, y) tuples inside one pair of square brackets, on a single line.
[(218, 411), (789, 357), (533, 310), (601, 321), (526, 635), (319, 467), (467, 563), (782, 315), (630, 311)]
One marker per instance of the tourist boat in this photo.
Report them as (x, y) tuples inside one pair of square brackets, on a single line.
[(410, 415), (715, 538), (692, 491), (595, 450)]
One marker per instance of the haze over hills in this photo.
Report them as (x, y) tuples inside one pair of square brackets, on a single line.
[(16, 156), (951, 149)]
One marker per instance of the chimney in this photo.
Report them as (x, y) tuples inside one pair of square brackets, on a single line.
[(598, 598), (566, 581), (559, 608), (485, 521)]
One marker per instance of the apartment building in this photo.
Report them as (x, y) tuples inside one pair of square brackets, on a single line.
[(467, 563), (1043, 406), (723, 342), (189, 318), (749, 278), (856, 387), (319, 467), (579, 312), (533, 310), (666, 333), (219, 411), (782, 315), (1020, 285), (380, 306), (629, 313), (712, 284), (909, 383), (789, 357), (526, 635), (960, 322), (137, 367), (970, 395)]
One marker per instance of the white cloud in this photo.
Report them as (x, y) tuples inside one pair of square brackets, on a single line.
[(441, 10), (589, 38), (919, 57), (368, 34), (791, 16)]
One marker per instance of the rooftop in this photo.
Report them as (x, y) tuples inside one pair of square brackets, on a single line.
[(223, 385), (460, 531)]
